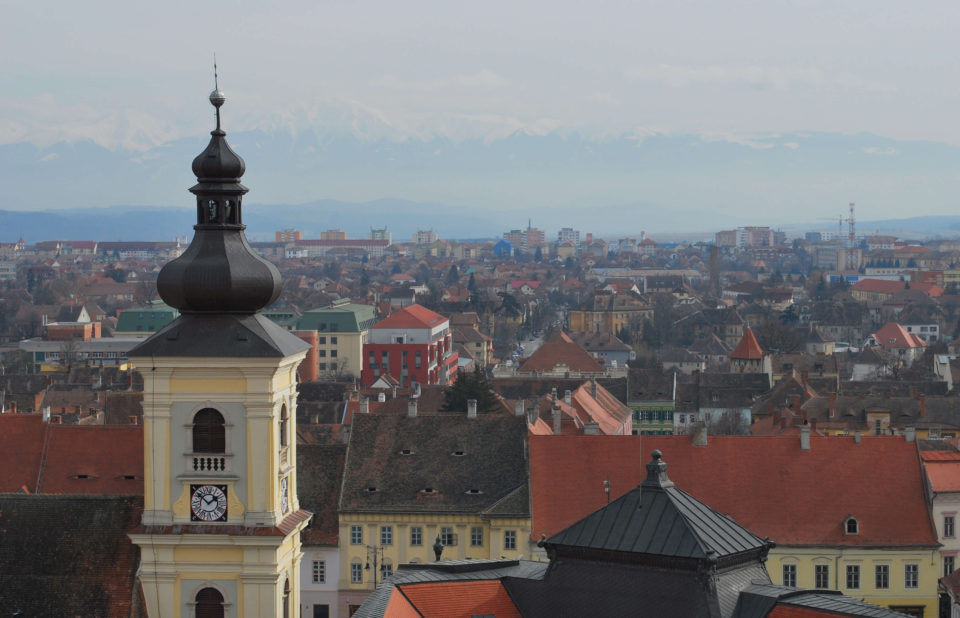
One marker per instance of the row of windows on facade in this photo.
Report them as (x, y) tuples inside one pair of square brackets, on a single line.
[(385, 360), (821, 575), (209, 431), (447, 536), (323, 340)]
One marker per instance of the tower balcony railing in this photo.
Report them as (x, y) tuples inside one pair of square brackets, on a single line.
[(209, 463)]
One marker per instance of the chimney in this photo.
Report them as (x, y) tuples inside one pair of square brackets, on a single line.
[(699, 435), (56, 419), (593, 388), (46, 414), (412, 407), (813, 425), (314, 419), (923, 404), (910, 434), (567, 397), (394, 391), (134, 420), (518, 407), (553, 393), (592, 428), (381, 397), (364, 405), (805, 437), (833, 401), (856, 437), (471, 408), (555, 410)]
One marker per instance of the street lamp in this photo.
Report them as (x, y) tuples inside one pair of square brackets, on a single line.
[(376, 551)]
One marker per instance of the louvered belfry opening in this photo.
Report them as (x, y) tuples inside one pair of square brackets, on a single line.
[(209, 603), (209, 435)]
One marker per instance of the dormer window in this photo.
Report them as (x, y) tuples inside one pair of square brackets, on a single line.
[(406, 451), (851, 526), (459, 453), (371, 490), (428, 490), (474, 492)]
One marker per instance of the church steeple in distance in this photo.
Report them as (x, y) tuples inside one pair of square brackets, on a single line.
[(219, 272)]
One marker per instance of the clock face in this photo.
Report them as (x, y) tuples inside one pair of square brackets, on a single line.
[(284, 501), (208, 502)]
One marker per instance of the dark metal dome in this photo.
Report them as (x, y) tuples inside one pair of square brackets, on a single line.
[(219, 272)]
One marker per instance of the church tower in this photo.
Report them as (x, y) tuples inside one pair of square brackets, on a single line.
[(220, 534)]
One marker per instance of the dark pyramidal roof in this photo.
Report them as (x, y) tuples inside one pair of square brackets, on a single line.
[(659, 519)]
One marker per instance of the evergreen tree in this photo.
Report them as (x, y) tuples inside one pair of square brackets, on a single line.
[(473, 385)]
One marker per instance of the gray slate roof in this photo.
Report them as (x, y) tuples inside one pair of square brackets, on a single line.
[(221, 335), (659, 519), (758, 599)]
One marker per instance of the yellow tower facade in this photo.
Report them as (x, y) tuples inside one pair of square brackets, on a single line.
[(220, 534)]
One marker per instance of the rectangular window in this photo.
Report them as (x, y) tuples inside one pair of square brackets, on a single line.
[(948, 525), (322, 366), (509, 539), (322, 353), (447, 537), (417, 363), (386, 535), (319, 571), (333, 341), (333, 353), (911, 575), (821, 576), (790, 575), (356, 535), (949, 565), (883, 576), (416, 535), (322, 340), (853, 576), (476, 536), (356, 573), (386, 570)]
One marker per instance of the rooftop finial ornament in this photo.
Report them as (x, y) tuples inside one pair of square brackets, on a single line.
[(217, 98)]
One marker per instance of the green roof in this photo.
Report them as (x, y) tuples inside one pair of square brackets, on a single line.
[(147, 319), (282, 317), (344, 317)]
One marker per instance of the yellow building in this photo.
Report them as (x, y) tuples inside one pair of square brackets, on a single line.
[(411, 481), (220, 533), (342, 330)]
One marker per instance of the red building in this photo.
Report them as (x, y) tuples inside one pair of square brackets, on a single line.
[(412, 345)]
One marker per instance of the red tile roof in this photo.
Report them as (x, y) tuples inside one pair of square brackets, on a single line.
[(791, 611), (801, 497), (558, 351), (21, 448), (567, 475), (879, 286), (943, 475), (748, 348), (892, 335), (93, 459), (458, 599), (414, 316)]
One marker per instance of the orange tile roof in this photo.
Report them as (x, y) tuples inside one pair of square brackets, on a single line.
[(791, 611), (748, 348), (940, 455), (880, 286), (400, 607), (567, 475), (21, 447), (943, 475), (460, 599), (414, 316), (801, 497), (892, 335)]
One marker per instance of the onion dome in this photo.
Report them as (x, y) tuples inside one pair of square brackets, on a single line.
[(219, 272)]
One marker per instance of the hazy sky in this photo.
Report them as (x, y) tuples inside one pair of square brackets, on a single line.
[(131, 73)]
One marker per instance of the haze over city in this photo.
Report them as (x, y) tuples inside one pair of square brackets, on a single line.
[(638, 115)]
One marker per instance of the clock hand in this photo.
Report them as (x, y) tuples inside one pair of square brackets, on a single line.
[(208, 499)]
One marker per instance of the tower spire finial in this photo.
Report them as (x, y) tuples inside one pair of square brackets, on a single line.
[(217, 98)]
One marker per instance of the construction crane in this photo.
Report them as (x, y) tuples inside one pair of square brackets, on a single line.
[(851, 244)]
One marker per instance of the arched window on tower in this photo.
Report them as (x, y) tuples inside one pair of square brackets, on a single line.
[(209, 603), (209, 433), (283, 425), (286, 598)]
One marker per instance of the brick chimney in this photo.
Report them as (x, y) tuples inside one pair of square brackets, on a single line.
[(518, 407), (555, 411), (805, 437), (923, 404), (134, 420), (471, 408), (567, 397), (309, 371), (833, 402)]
